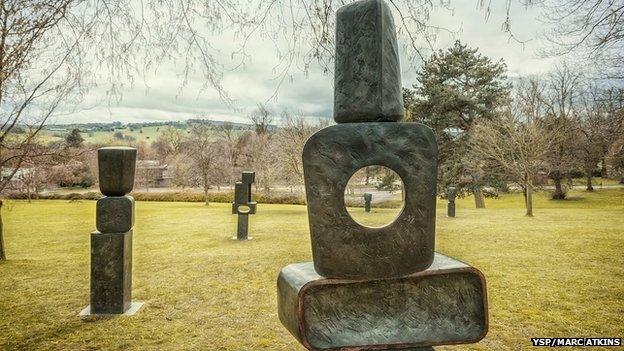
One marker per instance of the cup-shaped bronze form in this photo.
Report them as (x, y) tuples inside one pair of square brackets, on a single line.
[(116, 170)]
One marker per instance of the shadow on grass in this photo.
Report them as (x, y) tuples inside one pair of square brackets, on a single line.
[(569, 198)]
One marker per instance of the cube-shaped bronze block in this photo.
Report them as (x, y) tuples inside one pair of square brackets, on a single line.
[(445, 304), (248, 177), (116, 166), (111, 272), (114, 214), (341, 247)]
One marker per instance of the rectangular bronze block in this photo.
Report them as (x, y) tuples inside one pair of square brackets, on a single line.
[(367, 74), (445, 304), (111, 272), (248, 177), (114, 214)]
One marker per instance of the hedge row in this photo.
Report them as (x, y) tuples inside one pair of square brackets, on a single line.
[(178, 196), (193, 196)]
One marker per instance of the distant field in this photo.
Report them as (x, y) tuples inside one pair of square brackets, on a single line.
[(557, 274), (107, 137), (145, 134)]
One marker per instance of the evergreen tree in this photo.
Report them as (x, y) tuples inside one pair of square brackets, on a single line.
[(455, 88)]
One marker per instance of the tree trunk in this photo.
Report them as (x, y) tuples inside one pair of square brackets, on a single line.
[(478, 196), (589, 183), (558, 194), (529, 198), (206, 196), (2, 255)]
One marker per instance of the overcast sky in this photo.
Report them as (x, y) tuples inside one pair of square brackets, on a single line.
[(311, 95)]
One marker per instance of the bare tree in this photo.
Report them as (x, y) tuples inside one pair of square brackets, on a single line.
[(204, 153), (562, 94), (591, 29), (229, 138), (517, 142), (290, 139), (261, 119), (599, 128)]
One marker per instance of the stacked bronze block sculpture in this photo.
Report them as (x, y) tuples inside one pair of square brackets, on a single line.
[(375, 288), (242, 205), (368, 198), (451, 194), (111, 243)]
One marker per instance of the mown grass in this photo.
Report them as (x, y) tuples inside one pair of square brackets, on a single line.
[(557, 274)]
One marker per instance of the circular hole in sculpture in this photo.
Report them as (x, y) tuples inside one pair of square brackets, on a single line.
[(374, 196), (244, 209)]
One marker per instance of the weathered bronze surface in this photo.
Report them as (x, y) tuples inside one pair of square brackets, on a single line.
[(111, 244), (342, 248), (111, 272), (242, 205), (116, 166), (368, 198), (445, 304), (451, 194), (114, 214), (367, 75)]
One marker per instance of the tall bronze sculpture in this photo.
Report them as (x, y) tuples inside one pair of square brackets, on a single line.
[(368, 198), (451, 194), (381, 288), (242, 205), (111, 243)]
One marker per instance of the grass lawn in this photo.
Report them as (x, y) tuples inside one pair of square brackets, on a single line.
[(557, 274)]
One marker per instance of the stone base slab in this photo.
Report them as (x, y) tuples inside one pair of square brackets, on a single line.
[(237, 239), (135, 306), (444, 304)]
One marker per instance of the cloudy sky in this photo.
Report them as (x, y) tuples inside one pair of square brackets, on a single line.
[(159, 96)]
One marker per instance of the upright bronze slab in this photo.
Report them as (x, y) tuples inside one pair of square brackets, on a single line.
[(367, 77), (445, 304), (342, 248)]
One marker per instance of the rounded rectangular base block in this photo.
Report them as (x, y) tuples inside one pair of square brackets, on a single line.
[(445, 304)]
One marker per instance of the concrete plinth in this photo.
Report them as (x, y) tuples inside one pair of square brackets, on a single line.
[(131, 311), (445, 304), (111, 272)]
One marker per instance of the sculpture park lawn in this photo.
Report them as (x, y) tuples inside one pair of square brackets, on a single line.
[(557, 274)]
